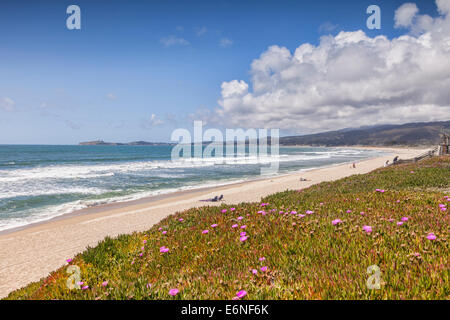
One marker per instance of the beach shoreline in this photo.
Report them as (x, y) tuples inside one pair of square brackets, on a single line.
[(29, 253)]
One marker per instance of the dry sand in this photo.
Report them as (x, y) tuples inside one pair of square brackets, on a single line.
[(29, 254)]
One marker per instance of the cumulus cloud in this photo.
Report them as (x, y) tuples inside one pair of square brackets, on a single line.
[(405, 14), (174, 41), (348, 80), (7, 104)]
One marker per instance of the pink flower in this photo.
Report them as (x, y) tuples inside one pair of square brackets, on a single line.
[(181, 219), (214, 225), (140, 254), (241, 294), (357, 199), (362, 213), (163, 249), (104, 283), (263, 269), (301, 215), (321, 203), (261, 211), (336, 221), (85, 287), (149, 285), (367, 229), (349, 211), (254, 271), (309, 212), (159, 228), (224, 210), (164, 232), (262, 259), (444, 209), (281, 212), (441, 205), (243, 227), (242, 239), (293, 223), (398, 201), (293, 212), (235, 226), (399, 223), (232, 209), (69, 260), (173, 292), (205, 231), (80, 283), (144, 242), (142, 248), (404, 218), (431, 236), (242, 234), (240, 218)]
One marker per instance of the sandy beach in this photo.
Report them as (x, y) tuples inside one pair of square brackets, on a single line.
[(30, 253)]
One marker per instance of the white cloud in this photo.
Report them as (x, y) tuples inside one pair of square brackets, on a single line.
[(7, 104), (111, 96), (225, 42), (201, 31), (348, 80), (155, 121), (405, 14), (327, 27), (173, 41)]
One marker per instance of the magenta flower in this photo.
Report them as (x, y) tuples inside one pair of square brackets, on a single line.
[(411, 171), (367, 229), (142, 248), (80, 283), (444, 209), (293, 212), (243, 227), (398, 201), (263, 269), (173, 292), (321, 203), (205, 231), (262, 259), (281, 212), (243, 234), (242, 239), (235, 226), (241, 294), (336, 221), (149, 285), (144, 242), (224, 210), (69, 260), (181, 219), (254, 271), (293, 223), (349, 211), (441, 205), (104, 283), (140, 254), (399, 223), (261, 211), (239, 218), (164, 232), (362, 213), (404, 219), (163, 249), (431, 236), (214, 225), (232, 209), (85, 287), (309, 212), (301, 215)]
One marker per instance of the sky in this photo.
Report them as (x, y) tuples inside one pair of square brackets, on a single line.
[(137, 70)]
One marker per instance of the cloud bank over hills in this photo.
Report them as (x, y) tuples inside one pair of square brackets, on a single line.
[(350, 79)]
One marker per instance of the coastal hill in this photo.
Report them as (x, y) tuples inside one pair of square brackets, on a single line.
[(134, 143), (410, 134)]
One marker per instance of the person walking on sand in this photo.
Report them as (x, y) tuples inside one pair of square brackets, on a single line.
[(354, 165), (386, 163)]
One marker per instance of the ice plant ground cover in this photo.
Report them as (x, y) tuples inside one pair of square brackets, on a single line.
[(284, 255)]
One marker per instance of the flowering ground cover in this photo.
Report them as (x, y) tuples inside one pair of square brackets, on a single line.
[(312, 244)]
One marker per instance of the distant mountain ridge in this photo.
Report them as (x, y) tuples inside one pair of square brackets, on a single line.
[(409, 134)]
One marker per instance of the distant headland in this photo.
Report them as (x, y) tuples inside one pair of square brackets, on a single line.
[(134, 143)]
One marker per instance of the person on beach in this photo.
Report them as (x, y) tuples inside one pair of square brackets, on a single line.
[(354, 165), (386, 163)]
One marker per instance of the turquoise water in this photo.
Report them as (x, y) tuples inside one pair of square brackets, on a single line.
[(41, 182)]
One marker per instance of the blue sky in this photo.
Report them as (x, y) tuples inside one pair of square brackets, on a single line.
[(135, 59)]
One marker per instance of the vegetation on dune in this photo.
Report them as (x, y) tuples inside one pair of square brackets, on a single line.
[(311, 244)]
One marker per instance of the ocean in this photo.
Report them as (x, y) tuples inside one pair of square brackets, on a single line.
[(39, 182)]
